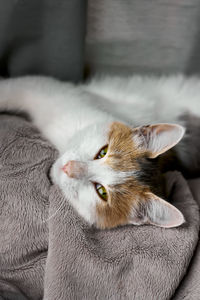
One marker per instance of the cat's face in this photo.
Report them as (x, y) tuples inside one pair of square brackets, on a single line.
[(107, 176)]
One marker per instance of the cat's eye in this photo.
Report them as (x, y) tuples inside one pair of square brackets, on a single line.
[(102, 152), (101, 191)]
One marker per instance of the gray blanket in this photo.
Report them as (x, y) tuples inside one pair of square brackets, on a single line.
[(64, 258)]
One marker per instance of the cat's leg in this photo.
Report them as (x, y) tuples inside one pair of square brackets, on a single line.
[(23, 93), (39, 97)]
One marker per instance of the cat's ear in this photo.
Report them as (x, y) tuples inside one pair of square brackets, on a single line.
[(156, 211), (158, 138)]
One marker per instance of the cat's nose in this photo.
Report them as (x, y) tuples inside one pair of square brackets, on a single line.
[(75, 169)]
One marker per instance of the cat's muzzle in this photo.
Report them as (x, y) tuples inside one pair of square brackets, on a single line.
[(75, 169)]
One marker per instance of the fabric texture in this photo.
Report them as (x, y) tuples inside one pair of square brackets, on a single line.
[(42, 37), (143, 36), (25, 159), (64, 258)]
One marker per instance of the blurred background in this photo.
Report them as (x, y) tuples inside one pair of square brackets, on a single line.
[(73, 39), (143, 36)]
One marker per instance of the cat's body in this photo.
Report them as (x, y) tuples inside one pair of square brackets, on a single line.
[(136, 100), (149, 99), (81, 120)]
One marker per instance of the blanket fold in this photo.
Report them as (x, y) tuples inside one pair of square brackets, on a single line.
[(57, 256), (124, 263)]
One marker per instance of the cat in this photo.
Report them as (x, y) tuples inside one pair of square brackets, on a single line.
[(113, 135)]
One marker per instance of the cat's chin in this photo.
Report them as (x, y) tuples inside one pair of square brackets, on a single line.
[(60, 178), (57, 175)]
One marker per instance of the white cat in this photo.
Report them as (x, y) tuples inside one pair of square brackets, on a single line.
[(106, 149)]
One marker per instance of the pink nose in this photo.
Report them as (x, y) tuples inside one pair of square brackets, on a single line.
[(75, 169)]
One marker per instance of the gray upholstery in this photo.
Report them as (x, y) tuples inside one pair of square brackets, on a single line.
[(143, 36), (42, 37)]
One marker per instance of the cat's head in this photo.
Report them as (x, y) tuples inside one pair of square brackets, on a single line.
[(108, 174)]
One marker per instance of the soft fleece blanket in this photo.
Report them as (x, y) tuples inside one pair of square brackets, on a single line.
[(63, 258)]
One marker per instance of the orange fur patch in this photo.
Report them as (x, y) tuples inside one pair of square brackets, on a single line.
[(122, 156), (122, 152)]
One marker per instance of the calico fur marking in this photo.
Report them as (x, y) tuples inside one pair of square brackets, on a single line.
[(134, 201)]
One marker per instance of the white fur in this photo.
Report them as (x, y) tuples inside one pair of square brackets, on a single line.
[(76, 120)]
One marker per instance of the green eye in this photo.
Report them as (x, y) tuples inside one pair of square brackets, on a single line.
[(101, 191), (102, 152)]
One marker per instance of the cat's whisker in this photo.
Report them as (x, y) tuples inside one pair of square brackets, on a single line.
[(53, 215)]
